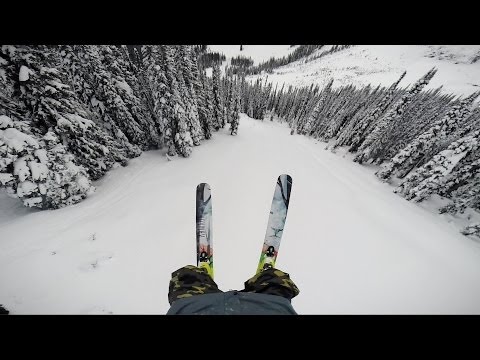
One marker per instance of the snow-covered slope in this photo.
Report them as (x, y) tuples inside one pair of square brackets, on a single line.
[(350, 244), (383, 64)]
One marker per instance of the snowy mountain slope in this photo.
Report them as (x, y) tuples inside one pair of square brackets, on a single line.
[(350, 244), (361, 65)]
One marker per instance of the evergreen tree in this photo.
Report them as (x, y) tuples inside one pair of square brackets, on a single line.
[(49, 102), (429, 178), (127, 89), (99, 93), (422, 146), (219, 120), (38, 171), (235, 108), (349, 130), (199, 84), (175, 109), (375, 140), (156, 94), (361, 130), (347, 107), (185, 80)]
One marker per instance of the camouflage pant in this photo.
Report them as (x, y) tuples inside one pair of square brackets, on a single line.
[(191, 280)]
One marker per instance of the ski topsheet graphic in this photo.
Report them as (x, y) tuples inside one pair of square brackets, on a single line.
[(204, 228), (276, 223)]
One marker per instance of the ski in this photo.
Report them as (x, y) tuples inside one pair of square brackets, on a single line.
[(204, 228), (276, 222)]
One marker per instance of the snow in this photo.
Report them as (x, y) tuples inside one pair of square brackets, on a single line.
[(50, 136), (21, 169), (41, 154), (4, 178), (350, 244), (32, 201), (57, 84), (48, 88), (83, 183), (5, 122), (361, 65), (79, 121), (24, 73), (16, 139), (39, 171), (124, 86), (26, 188)]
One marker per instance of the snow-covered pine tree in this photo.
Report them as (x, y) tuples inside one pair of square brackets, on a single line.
[(465, 196), (145, 87), (228, 98), (49, 102), (235, 108), (416, 119), (348, 131), (219, 120), (432, 176), (375, 141), (187, 92), (94, 86), (271, 99), (280, 95), (175, 108), (365, 124), (265, 94), (156, 93), (435, 109), (38, 170), (127, 86), (465, 170), (292, 106), (331, 102), (198, 80), (344, 110), (284, 104), (310, 105), (304, 98), (424, 145)]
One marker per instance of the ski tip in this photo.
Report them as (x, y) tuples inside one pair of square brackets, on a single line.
[(203, 188)]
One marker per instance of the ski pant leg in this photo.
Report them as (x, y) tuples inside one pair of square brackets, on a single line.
[(189, 281), (274, 282)]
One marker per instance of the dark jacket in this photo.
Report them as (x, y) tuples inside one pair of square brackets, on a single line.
[(232, 303)]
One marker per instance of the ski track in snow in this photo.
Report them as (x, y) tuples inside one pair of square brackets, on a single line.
[(351, 244)]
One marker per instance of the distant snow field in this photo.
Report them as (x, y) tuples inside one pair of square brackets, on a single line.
[(351, 244), (361, 65)]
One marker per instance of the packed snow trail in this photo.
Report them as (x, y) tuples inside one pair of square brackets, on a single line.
[(350, 244)]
